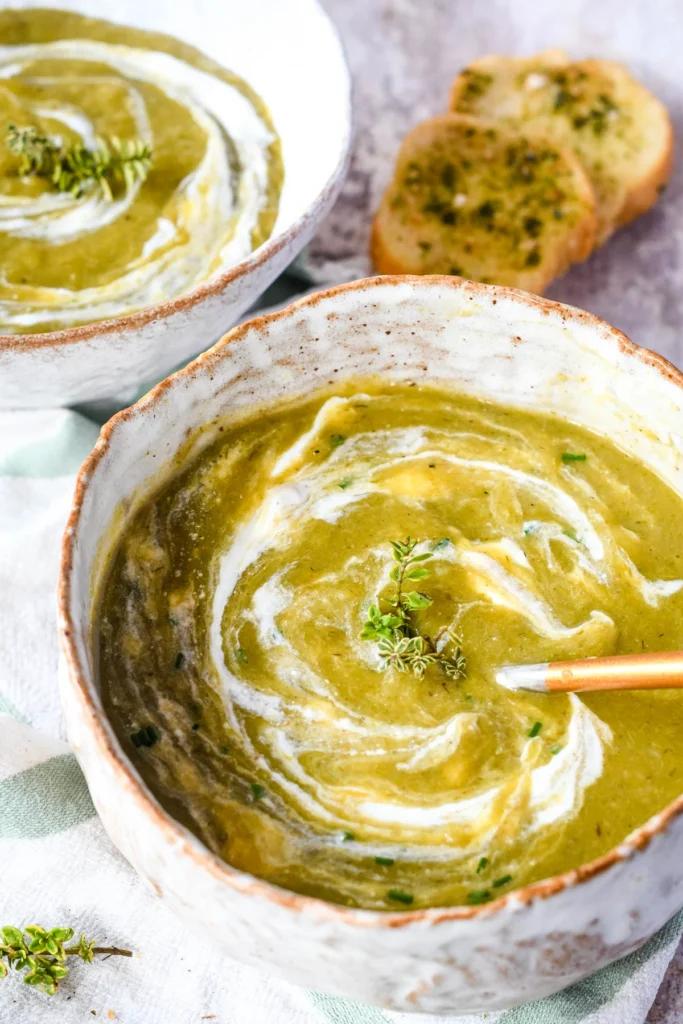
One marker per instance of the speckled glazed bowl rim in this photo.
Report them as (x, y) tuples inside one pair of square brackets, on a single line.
[(215, 285), (185, 842)]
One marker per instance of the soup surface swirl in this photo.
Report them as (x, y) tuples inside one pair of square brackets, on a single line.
[(235, 674)]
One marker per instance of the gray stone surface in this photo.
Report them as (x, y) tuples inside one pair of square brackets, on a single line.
[(403, 55)]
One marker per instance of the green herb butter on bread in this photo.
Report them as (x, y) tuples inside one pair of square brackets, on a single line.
[(479, 200), (620, 132)]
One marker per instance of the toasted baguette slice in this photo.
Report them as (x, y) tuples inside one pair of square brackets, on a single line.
[(473, 199), (620, 131)]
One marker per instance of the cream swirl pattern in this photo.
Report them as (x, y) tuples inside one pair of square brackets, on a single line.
[(209, 222), (326, 773), (290, 732)]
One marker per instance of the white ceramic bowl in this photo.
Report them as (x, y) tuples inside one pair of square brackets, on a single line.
[(492, 342), (289, 51)]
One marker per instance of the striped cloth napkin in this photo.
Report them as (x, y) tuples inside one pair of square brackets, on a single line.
[(58, 866)]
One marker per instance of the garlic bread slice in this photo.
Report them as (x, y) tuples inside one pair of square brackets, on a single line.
[(477, 200), (621, 132)]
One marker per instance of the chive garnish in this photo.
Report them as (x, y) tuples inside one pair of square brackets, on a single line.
[(386, 861), (535, 729), (556, 749), (348, 837), (439, 545), (346, 482), (502, 881), (400, 896), (145, 737), (179, 659), (336, 440), (241, 656), (257, 791), (478, 896), (483, 863), (573, 457)]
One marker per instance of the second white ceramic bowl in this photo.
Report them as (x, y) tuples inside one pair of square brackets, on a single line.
[(491, 342), (289, 51)]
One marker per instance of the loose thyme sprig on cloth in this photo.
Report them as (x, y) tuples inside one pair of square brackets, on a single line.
[(42, 954), (74, 168), (399, 642)]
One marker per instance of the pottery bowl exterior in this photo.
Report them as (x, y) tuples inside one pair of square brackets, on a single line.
[(491, 342)]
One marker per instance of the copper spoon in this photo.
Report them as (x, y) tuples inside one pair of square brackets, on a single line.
[(658, 670)]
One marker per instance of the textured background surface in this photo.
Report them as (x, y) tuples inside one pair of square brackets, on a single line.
[(403, 55)]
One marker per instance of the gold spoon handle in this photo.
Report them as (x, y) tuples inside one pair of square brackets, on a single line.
[(658, 670)]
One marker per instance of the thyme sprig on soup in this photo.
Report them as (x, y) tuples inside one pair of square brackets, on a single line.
[(137, 169), (247, 615)]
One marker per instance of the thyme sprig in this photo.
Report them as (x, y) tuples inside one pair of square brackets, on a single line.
[(75, 168), (43, 954), (399, 642)]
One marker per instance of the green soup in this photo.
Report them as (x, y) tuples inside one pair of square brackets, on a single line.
[(210, 197), (236, 676)]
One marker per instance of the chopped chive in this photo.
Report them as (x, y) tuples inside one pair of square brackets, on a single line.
[(386, 861), (336, 440), (145, 737), (478, 896), (556, 749), (348, 837), (400, 896), (257, 791), (571, 534), (535, 729), (179, 659), (483, 863), (439, 545), (573, 457), (241, 656), (346, 482), (502, 881)]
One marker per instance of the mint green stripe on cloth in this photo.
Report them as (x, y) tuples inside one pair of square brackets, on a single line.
[(47, 798), (344, 1011), (47, 443), (8, 708)]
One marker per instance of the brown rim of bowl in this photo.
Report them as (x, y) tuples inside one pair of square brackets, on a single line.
[(111, 750), (215, 285)]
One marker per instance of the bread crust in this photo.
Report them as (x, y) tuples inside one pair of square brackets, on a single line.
[(575, 247)]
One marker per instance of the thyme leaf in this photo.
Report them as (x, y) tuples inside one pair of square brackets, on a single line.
[(399, 643), (42, 953), (76, 168)]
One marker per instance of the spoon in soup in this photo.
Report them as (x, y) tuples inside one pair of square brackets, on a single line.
[(658, 670)]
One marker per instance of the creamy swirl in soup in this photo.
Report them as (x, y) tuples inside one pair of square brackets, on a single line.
[(210, 197), (235, 673)]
